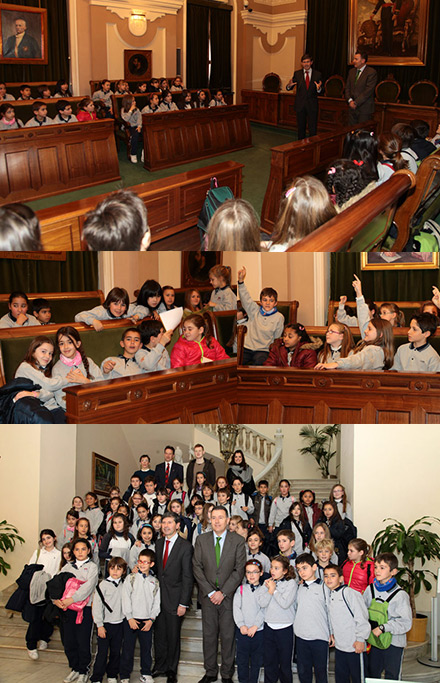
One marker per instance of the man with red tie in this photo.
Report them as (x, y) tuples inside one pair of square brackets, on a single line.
[(308, 86), (168, 470), (174, 571)]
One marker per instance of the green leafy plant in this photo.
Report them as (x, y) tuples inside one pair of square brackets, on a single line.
[(320, 444), (8, 541), (414, 543)]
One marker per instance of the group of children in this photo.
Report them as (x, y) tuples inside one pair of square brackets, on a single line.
[(294, 602)]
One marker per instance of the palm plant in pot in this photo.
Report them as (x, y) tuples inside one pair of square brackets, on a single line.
[(414, 544), (320, 444)]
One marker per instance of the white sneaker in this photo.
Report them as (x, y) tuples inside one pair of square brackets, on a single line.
[(42, 645), (33, 654), (83, 678), (133, 158), (112, 680), (146, 679), (125, 680), (142, 156), (72, 676)]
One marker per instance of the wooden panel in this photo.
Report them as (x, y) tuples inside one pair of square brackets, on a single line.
[(172, 138), (40, 162), (253, 413), (263, 106)]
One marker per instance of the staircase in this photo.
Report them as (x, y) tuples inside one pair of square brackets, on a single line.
[(321, 487)]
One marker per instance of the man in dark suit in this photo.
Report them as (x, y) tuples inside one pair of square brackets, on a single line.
[(168, 470), (359, 89), (22, 45), (308, 86), (174, 571), (218, 565)]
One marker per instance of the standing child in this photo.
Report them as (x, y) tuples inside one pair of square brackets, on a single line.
[(125, 363), (349, 627), (144, 541), (150, 490), (118, 542), (196, 344), (312, 631), (286, 545), (296, 522), (340, 531), (242, 504), (338, 496), (265, 323), (82, 532), (418, 355), (108, 617), (115, 307), (140, 606), (295, 350), (73, 364), (222, 298), (93, 512), (68, 530), (255, 540), (278, 599), (310, 506), (142, 516), (179, 493), (18, 304), (262, 502), (223, 498), (161, 503), (280, 506), (249, 619), (358, 569), (133, 118), (78, 636), (152, 355), (390, 617), (325, 551)]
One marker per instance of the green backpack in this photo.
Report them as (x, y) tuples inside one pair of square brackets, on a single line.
[(378, 615)]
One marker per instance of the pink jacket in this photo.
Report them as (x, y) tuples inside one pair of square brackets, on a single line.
[(191, 353)]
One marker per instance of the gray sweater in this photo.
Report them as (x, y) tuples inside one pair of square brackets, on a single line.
[(17, 124), (49, 385), (34, 123), (124, 367), (6, 321), (279, 607), (246, 610), (279, 509), (262, 330), (88, 572), (261, 557), (399, 612), (370, 358), (348, 617), (311, 619), (141, 597), (224, 299), (151, 360), (101, 313), (113, 597), (421, 359), (133, 118), (62, 370)]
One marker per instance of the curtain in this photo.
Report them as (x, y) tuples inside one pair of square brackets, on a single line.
[(380, 285), (78, 273), (327, 41), (57, 44), (197, 46), (220, 49)]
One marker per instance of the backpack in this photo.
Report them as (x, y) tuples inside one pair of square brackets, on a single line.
[(378, 615), (425, 239), (215, 197), (72, 586)]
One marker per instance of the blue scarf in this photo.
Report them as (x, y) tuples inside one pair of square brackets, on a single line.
[(381, 587), (267, 313)]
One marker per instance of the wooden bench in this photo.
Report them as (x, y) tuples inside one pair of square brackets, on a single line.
[(14, 88), (196, 394), (64, 305), (173, 205), (41, 162), (309, 156), (176, 137), (23, 108)]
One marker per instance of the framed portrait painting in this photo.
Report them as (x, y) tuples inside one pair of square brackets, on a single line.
[(23, 34), (196, 266), (393, 33), (395, 260), (137, 65), (105, 474)]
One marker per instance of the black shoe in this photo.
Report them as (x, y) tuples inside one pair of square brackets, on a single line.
[(208, 679), (156, 674), (226, 680), (171, 677)]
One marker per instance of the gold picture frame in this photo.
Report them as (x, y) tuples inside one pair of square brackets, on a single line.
[(105, 474), (396, 38), (393, 260), (32, 48)]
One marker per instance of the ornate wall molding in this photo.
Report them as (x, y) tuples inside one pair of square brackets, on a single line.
[(153, 9), (273, 25)]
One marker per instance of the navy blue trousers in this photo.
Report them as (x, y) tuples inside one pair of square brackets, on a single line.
[(113, 643), (127, 656), (134, 141), (389, 660), (38, 629), (349, 667), (312, 655), (254, 357), (78, 640), (249, 656), (278, 646)]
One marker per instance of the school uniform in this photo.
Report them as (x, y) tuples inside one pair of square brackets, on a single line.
[(9, 320), (216, 103), (140, 601), (312, 631), (65, 119), (135, 551), (137, 526), (115, 545), (278, 630), (239, 501), (261, 557), (409, 358), (49, 385), (279, 510), (247, 612), (102, 313), (14, 124), (145, 312), (124, 367), (95, 516), (62, 370), (150, 110), (224, 299), (133, 119), (7, 97), (39, 629), (150, 498), (334, 354), (261, 511), (35, 123), (159, 508), (348, 618), (369, 358), (65, 535), (348, 509), (262, 328), (105, 96), (168, 106), (151, 360), (77, 637), (302, 533), (111, 617)]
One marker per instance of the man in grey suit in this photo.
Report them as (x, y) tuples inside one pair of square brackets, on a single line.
[(359, 89), (218, 565)]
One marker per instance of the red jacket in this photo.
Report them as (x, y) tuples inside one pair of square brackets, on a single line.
[(304, 355), (356, 577), (86, 115), (191, 353)]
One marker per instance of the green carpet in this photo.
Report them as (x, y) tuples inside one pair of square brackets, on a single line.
[(255, 173)]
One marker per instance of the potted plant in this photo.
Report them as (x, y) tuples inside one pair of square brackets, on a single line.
[(8, 540), (320, 445), (415, 543)]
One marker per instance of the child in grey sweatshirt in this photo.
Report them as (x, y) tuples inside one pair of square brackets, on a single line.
[(249, 618)]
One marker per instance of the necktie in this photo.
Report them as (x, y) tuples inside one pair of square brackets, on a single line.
[(307, 80), (165, 555), (217, 555), (357, 75), (167, 474)]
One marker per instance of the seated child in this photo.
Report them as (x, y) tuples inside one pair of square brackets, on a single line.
[(390, 157), (140, 607), (40, 117), (418, 355), (62, 88), (152, 355), (125, 364), (249, 619), (153, 105), (193, 302), (104, 95), (8, 120), (200, 101), (44, 92), (133, 118), (234, 226), (421, 145), (222, 298), (168, 295), (177, 84), (296, 349), (338, 343), (167, 103), (25, 92), (3, 94), (218, 100), (346, 183), (73, 364), (392, 313), (164, 85), (42, 311), (406, 134), (64, 115), (196, 344), (265, 323), (349, 626), (18, 304), (396, 623), (142, 87), (185, 101), (116, 306), (149, 300), (86, 110), (153, 85)]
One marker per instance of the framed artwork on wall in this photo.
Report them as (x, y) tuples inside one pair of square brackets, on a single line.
[(23, 34), (105, 474), (391, 33), (137, 65), (394, 260), (196, 265)]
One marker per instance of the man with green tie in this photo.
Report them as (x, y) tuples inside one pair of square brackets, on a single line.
[(218, 566), (359, 89)]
